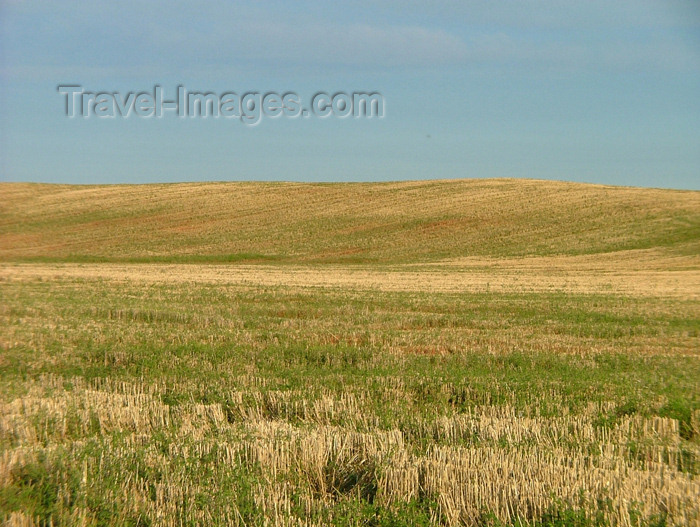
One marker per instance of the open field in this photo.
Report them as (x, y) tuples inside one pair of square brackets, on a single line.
[(548, 274), (414, 221), (391, 361)]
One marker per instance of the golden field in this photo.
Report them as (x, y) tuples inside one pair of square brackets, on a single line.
[(477, 352), (402, 222)]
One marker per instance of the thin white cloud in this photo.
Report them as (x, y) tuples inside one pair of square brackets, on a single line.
[(106, 39), (549, 14), (350, 45)]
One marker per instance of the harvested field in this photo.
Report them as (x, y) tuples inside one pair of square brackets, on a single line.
[(551, 274), (462, 377)]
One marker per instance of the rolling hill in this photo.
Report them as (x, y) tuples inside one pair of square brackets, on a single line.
[(474, 352), (396, 222)]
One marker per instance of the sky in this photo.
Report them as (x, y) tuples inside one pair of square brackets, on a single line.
[(591, 91)]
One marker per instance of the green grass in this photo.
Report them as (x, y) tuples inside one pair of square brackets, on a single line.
[(585, 346), (150, 399), (408, 359)]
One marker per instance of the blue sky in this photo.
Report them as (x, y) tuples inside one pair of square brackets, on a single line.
[(592, 91)]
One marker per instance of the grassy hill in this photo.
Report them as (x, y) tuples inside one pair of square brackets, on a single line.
[(470, 386), (416, 221)]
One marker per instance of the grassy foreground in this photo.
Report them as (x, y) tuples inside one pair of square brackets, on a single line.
[(473, 387)]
